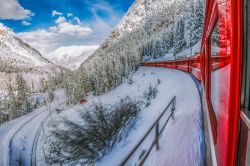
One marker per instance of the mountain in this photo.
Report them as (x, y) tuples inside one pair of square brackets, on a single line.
[(149, 30), (17, 57), (151, 27), (71, 57)]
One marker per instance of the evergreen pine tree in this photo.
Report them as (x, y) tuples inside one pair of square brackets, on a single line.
[(11, 102), (198, 21), (23, 94), (179, 37)]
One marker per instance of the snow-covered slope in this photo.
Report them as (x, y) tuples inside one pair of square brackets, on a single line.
[(17, 57), (183, 136), (71, 57), (140, 14)]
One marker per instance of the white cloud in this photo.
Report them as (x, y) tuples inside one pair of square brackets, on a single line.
[(11, 9), (60, 19), (69, 14), (77, 20), (63, 34), (40, 39), (70, 29), (67, 33), (55, 13), (26, 23)]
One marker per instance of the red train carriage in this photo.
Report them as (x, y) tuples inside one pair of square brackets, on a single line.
[(195, 66), (182, 64), (222, 53), (223, 67)]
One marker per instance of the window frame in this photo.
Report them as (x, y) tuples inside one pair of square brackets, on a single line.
[(244, 124), (204, 65)]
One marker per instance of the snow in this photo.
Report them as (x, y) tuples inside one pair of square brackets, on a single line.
[(17, 137), (11, 45), (183, 136), (71, 57)]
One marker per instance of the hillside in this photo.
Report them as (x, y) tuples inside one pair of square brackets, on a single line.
[(17, 57)]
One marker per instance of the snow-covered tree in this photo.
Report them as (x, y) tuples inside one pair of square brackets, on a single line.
[(179, 37), (23, 94), (198, 21), (194, 22)]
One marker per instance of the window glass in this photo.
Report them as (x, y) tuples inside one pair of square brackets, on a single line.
[(204, 65), (214, 75), (220, 72), (247, 61)]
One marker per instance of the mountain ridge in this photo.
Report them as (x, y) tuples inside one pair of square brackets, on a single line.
[(18, 57)]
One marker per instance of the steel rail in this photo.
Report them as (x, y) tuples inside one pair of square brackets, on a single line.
[(20, 128), (35, 142)]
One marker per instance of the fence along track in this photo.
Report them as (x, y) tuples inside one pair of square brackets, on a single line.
[(157, 136)]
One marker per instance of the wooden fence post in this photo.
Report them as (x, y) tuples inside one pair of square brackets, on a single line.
[(156, 136)]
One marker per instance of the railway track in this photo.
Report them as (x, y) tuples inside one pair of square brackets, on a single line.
[(35, 142), (17, 131)]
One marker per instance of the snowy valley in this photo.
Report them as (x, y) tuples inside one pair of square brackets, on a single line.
[(71, 57)]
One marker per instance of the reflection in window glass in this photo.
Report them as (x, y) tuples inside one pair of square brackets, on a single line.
[(215, 41), (215, 75), (204, 64), (220, 72)]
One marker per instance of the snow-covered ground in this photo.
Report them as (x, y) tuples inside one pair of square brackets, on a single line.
[(17, 137), (182, 141)]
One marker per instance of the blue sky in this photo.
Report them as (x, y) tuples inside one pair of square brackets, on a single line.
[(87, 21)]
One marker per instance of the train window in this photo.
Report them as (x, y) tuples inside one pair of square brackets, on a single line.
[(219, 74), (214, 77)]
